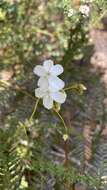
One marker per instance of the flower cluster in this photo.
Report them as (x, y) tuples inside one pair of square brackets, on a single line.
[(70, 12), (85, 10), (50, 86)]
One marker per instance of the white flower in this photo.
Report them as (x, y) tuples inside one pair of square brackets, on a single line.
[(49, 96), (70, 12), (48, 68), (49, 84), (48, 76), (85, 10)]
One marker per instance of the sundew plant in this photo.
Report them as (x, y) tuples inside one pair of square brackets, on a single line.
[(48, 140)]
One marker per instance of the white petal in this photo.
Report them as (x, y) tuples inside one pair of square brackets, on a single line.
[(39, 70), (59, 97), (47, 102), (55, 83), (39, 93), (47, 65), (56, 70), (43, 83)]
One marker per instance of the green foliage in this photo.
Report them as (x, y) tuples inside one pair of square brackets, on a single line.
[(34, 30), (21, 161)]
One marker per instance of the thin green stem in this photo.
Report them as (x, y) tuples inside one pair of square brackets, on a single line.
[(25, 129), (30, 119), (69, 88), (66, 148), (34, 110), (61, 118)]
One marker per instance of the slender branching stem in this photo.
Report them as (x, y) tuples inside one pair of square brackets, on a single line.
[(34, 110), (69, 88), (65, 147), (61, 118), (25, 129)]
